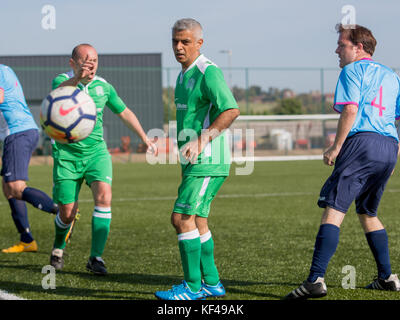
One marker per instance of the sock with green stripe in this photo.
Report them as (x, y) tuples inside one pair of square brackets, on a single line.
[(207, 263), (190, 250), (101, 221), (61, 232)]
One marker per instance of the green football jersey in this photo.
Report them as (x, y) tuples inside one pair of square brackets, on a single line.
[(103, 94), (201, 95)]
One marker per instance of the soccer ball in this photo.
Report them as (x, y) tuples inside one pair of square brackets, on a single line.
[(68, 114)]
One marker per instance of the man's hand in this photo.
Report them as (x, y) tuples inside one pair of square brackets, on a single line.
[(151, 147), (191, 150), (330, 155), (84, 70)]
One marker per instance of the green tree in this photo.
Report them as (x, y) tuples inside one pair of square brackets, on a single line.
[(289, 106)]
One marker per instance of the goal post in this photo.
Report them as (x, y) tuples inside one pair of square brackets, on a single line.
[(285, 137)]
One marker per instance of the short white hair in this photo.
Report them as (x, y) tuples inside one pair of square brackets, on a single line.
[(188, 24)]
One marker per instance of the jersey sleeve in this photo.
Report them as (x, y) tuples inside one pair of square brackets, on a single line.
[(114, 102), (348, 88), (398, 100), (58, 80), (5, 80), (1, 78), (217, 90)]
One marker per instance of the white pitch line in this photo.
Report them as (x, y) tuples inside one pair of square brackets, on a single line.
[(239, 195), (4, 295)]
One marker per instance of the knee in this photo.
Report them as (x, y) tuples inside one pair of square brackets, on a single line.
[(67, 214), (103, 200), (183, 222), (14, 189)]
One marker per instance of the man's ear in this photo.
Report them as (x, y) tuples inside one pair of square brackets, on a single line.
[(72, 63), (199, 43), (360, 47)]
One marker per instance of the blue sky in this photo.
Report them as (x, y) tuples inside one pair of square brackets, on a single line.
[(260, 33)]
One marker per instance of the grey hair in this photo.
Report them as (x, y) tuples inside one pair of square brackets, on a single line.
[(188, 24)]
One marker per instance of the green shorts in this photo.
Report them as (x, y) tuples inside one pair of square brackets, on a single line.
[(68, 176), (195, 194)]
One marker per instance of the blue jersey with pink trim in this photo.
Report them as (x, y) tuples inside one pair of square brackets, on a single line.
[(375, 89), (15, 115)]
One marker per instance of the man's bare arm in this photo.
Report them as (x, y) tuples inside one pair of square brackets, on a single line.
[(346, 121), (1, 95), (192, 149)]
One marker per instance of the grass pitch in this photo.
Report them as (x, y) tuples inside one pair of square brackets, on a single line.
[(264, 226)]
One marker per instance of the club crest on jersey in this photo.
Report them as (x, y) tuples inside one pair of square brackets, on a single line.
[(99, 91), (190, 84)]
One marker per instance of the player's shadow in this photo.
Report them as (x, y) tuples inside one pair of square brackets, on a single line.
[(164, 282), (136, 280)]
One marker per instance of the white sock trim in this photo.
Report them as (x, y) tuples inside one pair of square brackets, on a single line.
[(102, 209), (205, 237), (61, 224), (189, 235), (102, 212)]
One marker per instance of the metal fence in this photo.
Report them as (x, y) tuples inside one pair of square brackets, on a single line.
[(313, 87), (148, 88), (136, 77)]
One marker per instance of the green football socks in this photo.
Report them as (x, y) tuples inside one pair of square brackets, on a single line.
[(207, 264), (190, 250), (61, 232), (101, 221)]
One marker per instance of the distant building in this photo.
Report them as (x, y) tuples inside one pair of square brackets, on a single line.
[(136, 77)]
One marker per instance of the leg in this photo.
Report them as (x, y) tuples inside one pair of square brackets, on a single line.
[(16, 157), (326, 242), (101, 218), (207, 263), (189, 248), (19, 214), (325, 246), (378, 242), (63, 223)]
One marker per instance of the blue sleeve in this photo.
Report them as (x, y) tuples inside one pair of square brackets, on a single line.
[(2, 80), (398, 100), (348, 88)]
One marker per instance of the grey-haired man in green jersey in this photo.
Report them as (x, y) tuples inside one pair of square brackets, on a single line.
[(88, 159), (205, 108)]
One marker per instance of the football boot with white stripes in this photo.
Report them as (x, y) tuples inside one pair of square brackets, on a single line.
[(217, 291), (180, 292), (316, 289), (390, 284)]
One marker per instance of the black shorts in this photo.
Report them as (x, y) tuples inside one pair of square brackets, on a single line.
[(17, 152), (362, 169)]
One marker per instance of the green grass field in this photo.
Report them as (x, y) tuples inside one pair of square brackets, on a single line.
[(264, 226)]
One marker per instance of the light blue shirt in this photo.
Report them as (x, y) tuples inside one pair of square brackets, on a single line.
[(15, 115), (375, 89)]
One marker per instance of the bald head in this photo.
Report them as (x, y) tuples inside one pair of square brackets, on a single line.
[(84, 60), (80, 50)]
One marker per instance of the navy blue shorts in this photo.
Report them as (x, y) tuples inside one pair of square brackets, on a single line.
[(17, 152), (362, 169)]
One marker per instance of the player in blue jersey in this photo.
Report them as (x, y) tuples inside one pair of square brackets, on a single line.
[(20, 136), (364, 154)]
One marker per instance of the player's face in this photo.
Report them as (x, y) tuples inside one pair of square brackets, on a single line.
[(346, 50), (86, 56), (186, 47)]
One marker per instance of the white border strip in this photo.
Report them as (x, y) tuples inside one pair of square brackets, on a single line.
[(290, 117), (277, 158), (4, 295)]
